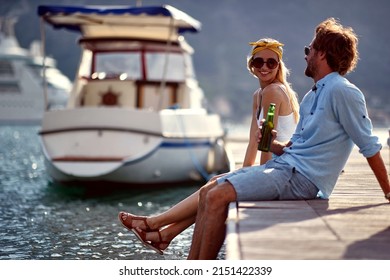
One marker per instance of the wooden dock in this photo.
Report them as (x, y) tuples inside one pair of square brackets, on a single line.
[(353, 224)]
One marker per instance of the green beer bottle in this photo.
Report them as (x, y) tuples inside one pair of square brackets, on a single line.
[(268, 125)]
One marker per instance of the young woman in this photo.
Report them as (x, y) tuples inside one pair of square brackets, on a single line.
[(264, 63)]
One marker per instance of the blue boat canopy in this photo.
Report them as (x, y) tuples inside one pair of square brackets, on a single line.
[(124, 21)]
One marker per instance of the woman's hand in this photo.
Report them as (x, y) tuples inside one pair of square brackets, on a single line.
[(273, 132)]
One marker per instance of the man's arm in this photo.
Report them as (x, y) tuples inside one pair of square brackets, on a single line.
[(378, 167)]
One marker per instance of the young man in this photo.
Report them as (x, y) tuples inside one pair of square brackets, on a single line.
[(333, 117)]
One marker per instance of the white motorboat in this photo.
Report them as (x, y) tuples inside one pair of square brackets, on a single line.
[(21, 80), (135, 114)]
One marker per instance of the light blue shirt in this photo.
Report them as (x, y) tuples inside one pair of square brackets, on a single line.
[(332, 119)]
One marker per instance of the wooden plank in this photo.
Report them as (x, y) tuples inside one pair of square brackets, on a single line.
[(353, 224)]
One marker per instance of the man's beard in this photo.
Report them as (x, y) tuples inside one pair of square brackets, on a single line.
[(309, 71)]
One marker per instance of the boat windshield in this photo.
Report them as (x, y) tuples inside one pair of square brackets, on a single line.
[(125, 65), (172, 63), (130, 66)]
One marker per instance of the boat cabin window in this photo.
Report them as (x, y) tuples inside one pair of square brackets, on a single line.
[(6, 68), (173, 63), (122, 65), (9, 87), (140, 65)]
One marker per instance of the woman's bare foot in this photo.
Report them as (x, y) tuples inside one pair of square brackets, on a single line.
[(131, 222), (156, 238)]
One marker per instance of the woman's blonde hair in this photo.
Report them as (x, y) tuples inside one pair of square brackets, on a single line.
[(281, 75)]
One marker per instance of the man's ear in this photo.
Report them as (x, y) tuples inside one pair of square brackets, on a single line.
[(321, 55)]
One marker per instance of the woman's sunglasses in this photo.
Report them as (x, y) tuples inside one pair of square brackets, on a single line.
[(259, 62)]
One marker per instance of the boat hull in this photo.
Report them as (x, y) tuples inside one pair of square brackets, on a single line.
[(114, 145)]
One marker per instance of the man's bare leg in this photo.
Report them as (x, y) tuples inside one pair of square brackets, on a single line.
[(196, 236), (209, 232), (181, 211)]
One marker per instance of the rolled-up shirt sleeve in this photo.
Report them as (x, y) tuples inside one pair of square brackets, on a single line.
[(350, 108)]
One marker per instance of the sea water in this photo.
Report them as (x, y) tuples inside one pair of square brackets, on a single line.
[(41, 220)]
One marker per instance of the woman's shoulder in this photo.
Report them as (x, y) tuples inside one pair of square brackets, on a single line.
[(257, 92), (275, 87), (276, 90)]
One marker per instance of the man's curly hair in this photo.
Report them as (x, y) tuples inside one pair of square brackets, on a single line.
[(339, 43)]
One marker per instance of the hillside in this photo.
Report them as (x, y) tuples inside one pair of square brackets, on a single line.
[(222, 45)]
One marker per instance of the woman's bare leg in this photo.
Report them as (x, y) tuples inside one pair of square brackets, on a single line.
[(168, 233), (185, 209)]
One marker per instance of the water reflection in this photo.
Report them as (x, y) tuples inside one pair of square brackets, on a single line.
[(43, 220)]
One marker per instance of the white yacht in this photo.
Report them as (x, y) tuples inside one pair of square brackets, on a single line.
[(22, 98), (136, 112)]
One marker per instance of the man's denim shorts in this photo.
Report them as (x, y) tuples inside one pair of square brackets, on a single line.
[(271, 181)]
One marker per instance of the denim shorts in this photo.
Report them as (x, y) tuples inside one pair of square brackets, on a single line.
[(271, 181)]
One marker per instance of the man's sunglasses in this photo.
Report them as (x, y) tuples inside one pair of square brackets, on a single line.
[(307, 50), (271, 63)]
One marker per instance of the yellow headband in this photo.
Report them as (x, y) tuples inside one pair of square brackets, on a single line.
[(273, 46)]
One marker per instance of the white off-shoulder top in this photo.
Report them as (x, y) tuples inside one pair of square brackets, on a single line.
[(286, 124)]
